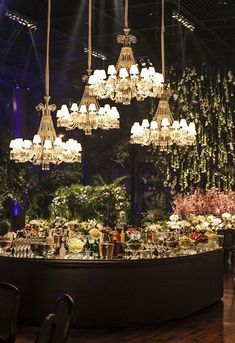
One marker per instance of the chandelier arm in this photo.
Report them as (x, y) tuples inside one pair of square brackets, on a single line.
[(126, 15), (47, 80), (163, 40), (89, 37)]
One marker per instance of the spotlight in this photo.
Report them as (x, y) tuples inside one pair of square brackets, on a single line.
[(182, 20), (96, 54), (21, 19)]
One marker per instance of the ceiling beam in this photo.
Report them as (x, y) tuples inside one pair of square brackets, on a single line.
[(205, 27)]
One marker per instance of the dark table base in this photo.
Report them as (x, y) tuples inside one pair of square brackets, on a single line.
[(117, 293)]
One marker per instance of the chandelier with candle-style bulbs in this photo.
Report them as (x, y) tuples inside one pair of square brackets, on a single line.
[(163, 131), (46, 148), (126, 81), (88, 115)]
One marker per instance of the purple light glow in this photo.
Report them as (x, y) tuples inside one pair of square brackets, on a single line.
[(16, 209)]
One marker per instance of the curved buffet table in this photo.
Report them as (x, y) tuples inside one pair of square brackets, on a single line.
[(117, 293)]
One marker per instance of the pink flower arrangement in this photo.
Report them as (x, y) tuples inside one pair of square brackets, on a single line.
[(200, 202)]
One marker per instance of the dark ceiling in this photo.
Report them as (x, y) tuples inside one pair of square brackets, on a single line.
[(22, 52)]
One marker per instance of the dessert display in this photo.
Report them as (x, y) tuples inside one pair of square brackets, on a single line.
[(90, 240)]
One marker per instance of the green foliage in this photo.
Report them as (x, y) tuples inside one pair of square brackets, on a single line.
[(45, 185), (209, 102), (102, 202), (15, 179)]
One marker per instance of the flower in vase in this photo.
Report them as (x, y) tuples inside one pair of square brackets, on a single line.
[(95, 233), (216, 222), (174, 217), (226, 216), (75, 245)]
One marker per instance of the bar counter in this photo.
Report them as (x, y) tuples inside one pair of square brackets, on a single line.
[(117, 293)]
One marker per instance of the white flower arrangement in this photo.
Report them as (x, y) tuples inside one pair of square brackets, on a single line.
[(76, 245), (174, 217)]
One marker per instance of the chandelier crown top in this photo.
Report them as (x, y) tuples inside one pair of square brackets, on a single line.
[(126, 39)]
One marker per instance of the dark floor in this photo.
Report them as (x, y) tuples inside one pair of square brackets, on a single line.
[(213, 325)]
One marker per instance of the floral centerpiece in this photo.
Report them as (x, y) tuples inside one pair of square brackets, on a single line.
[(36, 228), (75, 245), (200, 202), (84, 227), (58, 224)]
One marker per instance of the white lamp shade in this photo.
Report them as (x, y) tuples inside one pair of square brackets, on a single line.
[(158, 78), (58, 141), (37, 139), (19, 143), (91, 80), (123, 72), (101, 111), (74, 107), (151, 71), (176, 125), (47, 144), (144, 73), (112, 70), (64, 110), (183, 124), (102, 74), (134, 70), (192, 128), (27, 144), (115, 112), (153, 125), (79, 147), (107, 108), (165, 122), (59, 114), (12, 144), (83, 109), (92, 108), (145, 123), (97, 74), (135, 128)]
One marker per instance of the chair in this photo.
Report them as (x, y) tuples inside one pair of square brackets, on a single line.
[(64, 309), (46, 332), (9, 304), (54, 328)]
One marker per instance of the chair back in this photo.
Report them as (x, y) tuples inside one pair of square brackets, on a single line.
[(54, 328), (64, 309), (9, 300), (47, 329)]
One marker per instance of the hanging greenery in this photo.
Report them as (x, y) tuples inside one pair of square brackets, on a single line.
[(209, 102)]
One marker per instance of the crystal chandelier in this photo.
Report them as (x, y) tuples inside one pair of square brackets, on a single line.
[(88, 115), (46, 148), (163, 131), (126, 81)]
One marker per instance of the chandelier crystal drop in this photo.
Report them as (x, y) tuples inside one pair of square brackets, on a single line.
[(163, 131), (126, 80), (88, 115), (46, 148)]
